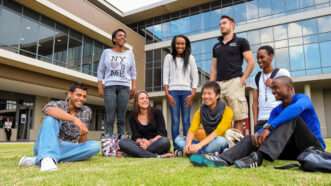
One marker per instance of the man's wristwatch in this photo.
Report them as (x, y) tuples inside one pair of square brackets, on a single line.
[(267, 126)]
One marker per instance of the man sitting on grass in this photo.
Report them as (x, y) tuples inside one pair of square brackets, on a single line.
[(63, 133), (292, 127)]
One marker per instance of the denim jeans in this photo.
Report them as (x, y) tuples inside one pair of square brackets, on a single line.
[(217, 145), (116, 102), (48, 144), (178, 111)]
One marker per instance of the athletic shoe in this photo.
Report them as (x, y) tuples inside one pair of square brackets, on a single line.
[(26, 161), (48, 164), (179, 153), (251, 161), (207, 160)]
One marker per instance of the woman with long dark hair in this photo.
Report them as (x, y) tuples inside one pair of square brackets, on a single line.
[(149, 135), (116, 72), (180, 81)]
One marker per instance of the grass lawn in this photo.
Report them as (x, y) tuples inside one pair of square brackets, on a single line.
[(154, 172)]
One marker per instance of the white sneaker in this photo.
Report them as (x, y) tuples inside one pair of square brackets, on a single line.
[(48, 164), (26, 161)]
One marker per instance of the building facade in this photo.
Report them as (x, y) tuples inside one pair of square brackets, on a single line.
[(44, 47)]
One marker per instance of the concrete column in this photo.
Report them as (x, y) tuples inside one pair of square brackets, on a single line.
[(250, 106), (166, 115), (307, 89)]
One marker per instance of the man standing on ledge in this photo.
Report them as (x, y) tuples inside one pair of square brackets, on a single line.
[(226, 68)]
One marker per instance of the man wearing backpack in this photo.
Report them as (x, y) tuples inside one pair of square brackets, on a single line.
[(263, 99), (292, 127)]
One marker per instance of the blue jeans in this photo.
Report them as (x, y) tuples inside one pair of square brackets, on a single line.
[(116, 102), (177, 111), (48, 144), (217, 145)]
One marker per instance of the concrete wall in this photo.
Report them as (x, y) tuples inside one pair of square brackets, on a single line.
[(318, 100), (327, 109)]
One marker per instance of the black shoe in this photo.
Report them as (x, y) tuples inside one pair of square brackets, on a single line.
[(179, 153), (251, 161)]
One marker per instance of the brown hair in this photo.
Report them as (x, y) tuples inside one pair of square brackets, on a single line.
[(136, 109)]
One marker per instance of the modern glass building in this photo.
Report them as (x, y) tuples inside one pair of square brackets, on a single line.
[(44, 47)]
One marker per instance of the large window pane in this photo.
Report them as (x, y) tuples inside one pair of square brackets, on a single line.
[(264, 8), (282, 58), (280, 32), (87, 55), (292, 4), (324, 24), (309, 27), (98, 48), (30, 31), (61, 44), (253, 37), (240, 12), (294, 30), (297, 60), (46, 39), (312, 56), (278, 6), (325, 48), (307, 3), (74, 50), (10, 34), (195, 22), (252, 10), (266, 35)]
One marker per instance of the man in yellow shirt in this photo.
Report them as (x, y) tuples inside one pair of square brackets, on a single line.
[(208, 125)]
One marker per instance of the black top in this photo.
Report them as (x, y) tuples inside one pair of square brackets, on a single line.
[(230, 57), (152, 129)]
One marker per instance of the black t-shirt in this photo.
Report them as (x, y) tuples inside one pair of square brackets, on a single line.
[(230, 57), (152, 129)]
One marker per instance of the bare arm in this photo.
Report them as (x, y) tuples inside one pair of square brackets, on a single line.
[(248, 56), (101, 88), (255, 105), (213, 70)]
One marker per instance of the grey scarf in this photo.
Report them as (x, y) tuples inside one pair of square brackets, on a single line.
[(211, 118)]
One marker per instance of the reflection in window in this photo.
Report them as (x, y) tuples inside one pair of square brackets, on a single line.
[(324, 24), (30, 31), (309, 27), (98, 47), (312, 56), (266, 35), (264, 7), (282, 58), (297, 58), (87, 55), (294, 30), (61, 41), (46, 39), (74, 50), (325, 48), (280, 32)]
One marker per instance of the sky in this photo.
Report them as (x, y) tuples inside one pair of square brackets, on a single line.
[(129, 5)]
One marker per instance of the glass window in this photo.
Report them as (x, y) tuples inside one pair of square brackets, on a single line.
[(74, 50), (87, 55), (227, 11), (149, 78), (30, 31), (294, 30), (195, 23), (278, 6), (214, 18), (312, 56), (253, 37), (297, 60), (307, 3), (240, 12), (325, 48), (10, 34), (309, 27), (61, 42), (292, 4), (252, 10), (264, 8), (324, 24), (280, 32), (266, 35), (98, 48), (46, 39), (282, 58)]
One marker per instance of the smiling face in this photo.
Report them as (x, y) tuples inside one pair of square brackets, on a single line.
[(180, 45), (143, 101), (264, 60), (120, 39), (226, 26), (209, 97), (78, 97), (281, 90)]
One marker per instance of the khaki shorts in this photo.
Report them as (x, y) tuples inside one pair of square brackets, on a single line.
[(233, 93)]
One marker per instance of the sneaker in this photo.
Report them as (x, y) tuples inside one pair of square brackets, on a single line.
[(26, 161), (179, 153), (48, 164), (207, 160), (251, 161)]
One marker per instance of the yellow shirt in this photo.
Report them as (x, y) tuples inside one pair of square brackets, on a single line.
[(197, 129)]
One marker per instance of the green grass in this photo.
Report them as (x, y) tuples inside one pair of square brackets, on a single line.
[(154, 172)]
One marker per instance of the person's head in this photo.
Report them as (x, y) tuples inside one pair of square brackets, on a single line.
[(282, 88), (77, 95), (227, 25), (264, 56), (181, 47), (142, 102), (119, 37), (211, 92)]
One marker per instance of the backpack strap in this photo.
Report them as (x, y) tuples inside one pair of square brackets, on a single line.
[(257, 79), (274, 73)]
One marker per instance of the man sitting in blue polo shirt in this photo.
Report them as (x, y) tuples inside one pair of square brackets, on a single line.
[(292, 127)]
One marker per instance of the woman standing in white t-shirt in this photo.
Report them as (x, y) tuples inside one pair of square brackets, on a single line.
[(8, 127)]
